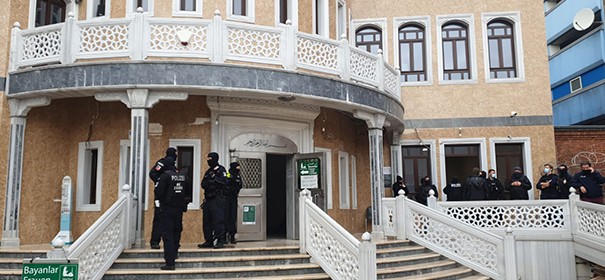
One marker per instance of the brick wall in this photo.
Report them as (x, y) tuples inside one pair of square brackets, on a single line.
[(575, 145)]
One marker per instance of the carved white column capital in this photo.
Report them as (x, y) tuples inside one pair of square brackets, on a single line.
[(141, 98), (20, 107), (373, 121)]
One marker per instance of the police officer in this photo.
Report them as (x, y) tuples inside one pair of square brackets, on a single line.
[(495, 189), (234, 185), (154, 174), (173, 190), (213, 207)]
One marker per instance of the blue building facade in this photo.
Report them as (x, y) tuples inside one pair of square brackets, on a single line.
[(576, 62)]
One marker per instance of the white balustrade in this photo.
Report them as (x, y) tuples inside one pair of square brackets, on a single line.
[(141, 36), (105, 240), (588, 227), (330, 245)]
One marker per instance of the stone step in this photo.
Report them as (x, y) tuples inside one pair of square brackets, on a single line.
[(408, 260), (401, 251), (6, 263), (316, 276), (214, 272), (415, 269), (393, 243), (187, 252), (227, 261), (10, 274), (453, 273)]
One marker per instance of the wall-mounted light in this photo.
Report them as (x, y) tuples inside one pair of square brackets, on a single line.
[(184, 36), (513, 114), (459, 131)]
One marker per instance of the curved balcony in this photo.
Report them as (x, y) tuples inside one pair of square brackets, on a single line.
[(212, 43)]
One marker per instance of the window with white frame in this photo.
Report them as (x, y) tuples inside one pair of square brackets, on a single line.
[(188, 162), (413, 50), (321, 19), (187, 8), (360, 26), (341, 19), (90, 175), (98, 9), (286, 10), (502, 41), (368, 38), (328, 165), (353, 182), (343, 180), (456, 49), (240, 10), (132, 6)]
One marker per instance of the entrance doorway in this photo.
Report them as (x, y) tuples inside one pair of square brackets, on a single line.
[(276, 195), (460, 160)]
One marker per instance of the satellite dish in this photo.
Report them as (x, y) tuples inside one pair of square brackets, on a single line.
[(583, 19)]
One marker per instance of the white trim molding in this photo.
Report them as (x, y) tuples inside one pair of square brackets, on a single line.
[(515, 18), (90, 4), (469, 20), (292, 12), (428, 51), (177, 12), (462, 141), (250, 12), (341, 19), (83, 164), (344, 191), (328, 164), (380, 23), (353, 175), (197, 163), (527, 159), (324, 29)]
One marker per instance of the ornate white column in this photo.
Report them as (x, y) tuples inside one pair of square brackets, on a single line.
[(139, 101), (375, 123), (18, 109), (396, 157)]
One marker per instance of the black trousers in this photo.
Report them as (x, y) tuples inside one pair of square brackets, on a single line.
[(156, 230), (231, 215), (214, 219), (171, 221)]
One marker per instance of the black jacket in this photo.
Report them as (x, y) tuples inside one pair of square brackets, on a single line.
[(551, 191), (520, 192), (234, 184), (173, 190), (474, 188), (400, 186), (157, 170), (423, 194), (591, 181), (565, 181), (214, 182), (454, 192), (495, 189)]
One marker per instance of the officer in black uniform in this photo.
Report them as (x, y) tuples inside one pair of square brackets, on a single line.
[(154, 174), (213, 207), (173, 190), (234, 185)]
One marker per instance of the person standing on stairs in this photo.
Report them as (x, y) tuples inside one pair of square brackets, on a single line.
[(214, 204), (154, 174), (234, 185)]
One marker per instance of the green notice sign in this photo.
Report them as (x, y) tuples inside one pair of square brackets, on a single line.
[(49, 271), (308, 173), (249, 216)]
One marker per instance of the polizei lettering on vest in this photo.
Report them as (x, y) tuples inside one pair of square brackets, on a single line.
[(178, 178)]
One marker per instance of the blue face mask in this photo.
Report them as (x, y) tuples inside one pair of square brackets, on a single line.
[(546, 170)]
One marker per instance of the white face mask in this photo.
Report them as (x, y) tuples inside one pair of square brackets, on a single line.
[(546, 170), (494, 175)]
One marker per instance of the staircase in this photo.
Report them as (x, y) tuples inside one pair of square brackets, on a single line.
[(403, 259), (11, 260), (246, 260)]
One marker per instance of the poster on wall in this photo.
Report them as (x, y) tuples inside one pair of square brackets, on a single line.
[(386, 172), (308, 173), (249, 215)]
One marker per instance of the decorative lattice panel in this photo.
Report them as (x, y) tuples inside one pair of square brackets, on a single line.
[(463, 244), (317, 53), (547, 216), (253, 43), (591, 221), (391, 81), (252, 173), (389, 223), (363, 65), (103, 38), (163, 38), (41, 45), (343, 261), (100, 249)]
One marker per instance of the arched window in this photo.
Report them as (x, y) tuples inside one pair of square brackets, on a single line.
[(369, 39), (501, 42), (49, 12), (456, 62), (412, 56)]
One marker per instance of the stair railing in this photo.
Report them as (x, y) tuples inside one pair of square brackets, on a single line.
[(468, 245), (337, 251), (588, 229), (104, 241)]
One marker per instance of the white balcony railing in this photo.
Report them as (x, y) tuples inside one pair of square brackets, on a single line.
[(338, 252), (141, 36)]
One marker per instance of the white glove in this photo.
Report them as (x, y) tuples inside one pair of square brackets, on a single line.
[(157, 203)]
